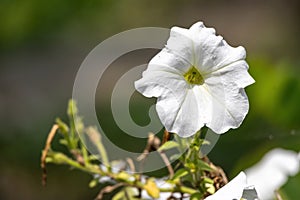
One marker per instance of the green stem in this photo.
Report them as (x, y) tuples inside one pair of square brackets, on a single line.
[(85, 154), (59, 158), (103, 154), (181, 189)]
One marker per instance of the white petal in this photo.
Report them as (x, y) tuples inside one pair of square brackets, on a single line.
[(167, 61), (230, 102), (212, 52), (236, 72), (179, 115), (177, 105), (273, 171), (180, 43), (164, 73), (231, 191), (158, 83)]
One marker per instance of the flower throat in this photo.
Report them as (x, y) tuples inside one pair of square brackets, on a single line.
[(193, 76)]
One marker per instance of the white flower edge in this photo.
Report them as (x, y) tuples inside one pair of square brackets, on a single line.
[(272, 171), (236, 189), (219, 102)]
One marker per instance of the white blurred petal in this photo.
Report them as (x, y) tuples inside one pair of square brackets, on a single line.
[(272, 172), (106, 179)]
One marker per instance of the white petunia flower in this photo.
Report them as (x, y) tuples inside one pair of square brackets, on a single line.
[(198, 80), (273, 171), (236, 189)]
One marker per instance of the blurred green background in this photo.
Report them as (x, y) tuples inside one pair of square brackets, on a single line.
[(42, 44)]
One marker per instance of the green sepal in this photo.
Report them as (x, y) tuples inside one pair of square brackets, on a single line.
[(168, 145)]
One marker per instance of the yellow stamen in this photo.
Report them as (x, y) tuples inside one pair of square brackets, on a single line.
[(193, 76)]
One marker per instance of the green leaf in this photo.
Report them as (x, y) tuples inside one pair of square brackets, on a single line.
[(180, 174), (210, 188), (188, 178), (205, 142), (93, 183), (48, 160), (126, 193), (175, 156), (57, 158), (63, 142), (209, 185), (119, 195), (123, 176), (168, 145), (72, 108), (63, 127), (196, 196), (93, 157), (203, 165), (208, 180), (190, 165)]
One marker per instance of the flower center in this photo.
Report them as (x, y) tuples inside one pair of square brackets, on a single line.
[(193, 76)]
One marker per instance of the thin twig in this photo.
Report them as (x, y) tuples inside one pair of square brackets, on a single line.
[(278, 196), (153, 144), (78, 156), (108, 189), (166, 137), (167, 163), (45, 151), (131, 164)]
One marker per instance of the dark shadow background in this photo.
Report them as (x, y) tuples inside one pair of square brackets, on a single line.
[(42, 44)]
